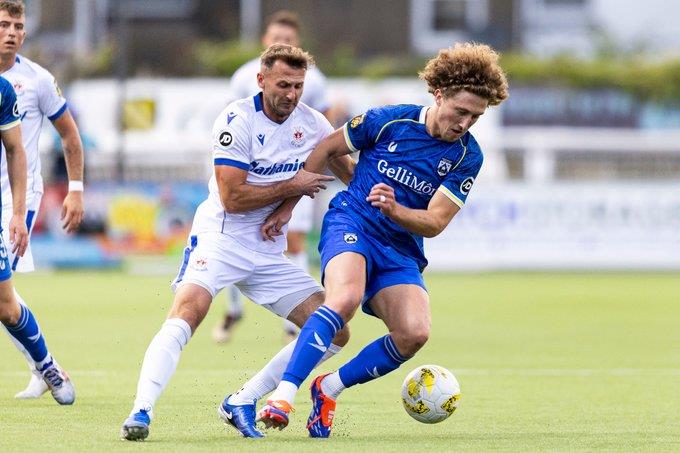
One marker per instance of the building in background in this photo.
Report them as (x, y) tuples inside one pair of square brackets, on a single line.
[(161, 34)]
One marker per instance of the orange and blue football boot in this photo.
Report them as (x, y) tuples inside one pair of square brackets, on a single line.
[(275, 414), (320, 420)]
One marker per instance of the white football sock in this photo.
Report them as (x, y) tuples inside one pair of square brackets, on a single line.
[(300, 259), (160, 362), (19, 346), (235, 303), (40, 365), (269, 377), (332, 385)]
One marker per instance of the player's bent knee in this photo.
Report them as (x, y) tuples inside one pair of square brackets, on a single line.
[(410, 341), (10, 310), (191, 304), (346, 306), (8, 315)]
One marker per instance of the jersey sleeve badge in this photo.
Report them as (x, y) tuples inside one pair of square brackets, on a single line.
[(225, 138), (466, 185), (357, 120), (58, 89)]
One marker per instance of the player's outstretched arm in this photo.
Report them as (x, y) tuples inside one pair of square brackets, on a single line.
[(343, 167), (331, 148), (73, 207), (423, 222), (239, 196), (332, 152), (16, 171), (273, 224)]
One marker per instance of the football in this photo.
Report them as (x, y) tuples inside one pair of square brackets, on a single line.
[(430, 394)]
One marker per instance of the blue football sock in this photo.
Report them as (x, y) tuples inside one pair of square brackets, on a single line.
[(27, 332), (314, 339), (375, 360)]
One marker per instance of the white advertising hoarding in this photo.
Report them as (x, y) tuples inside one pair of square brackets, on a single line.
[(563, 226)]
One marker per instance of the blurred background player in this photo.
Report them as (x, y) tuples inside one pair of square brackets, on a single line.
[(15, 316), (283, 27), (416, 169), (38, 96)]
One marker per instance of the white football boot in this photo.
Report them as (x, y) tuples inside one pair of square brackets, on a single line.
[(35, 389), (59, 383)]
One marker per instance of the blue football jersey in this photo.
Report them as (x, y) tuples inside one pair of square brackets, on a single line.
[(9, 109), (397, 150)]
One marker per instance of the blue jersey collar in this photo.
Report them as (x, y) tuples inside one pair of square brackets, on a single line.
[(258, 102)]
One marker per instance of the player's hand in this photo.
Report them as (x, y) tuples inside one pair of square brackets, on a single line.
[(72, 211), (382, 197), (308, 183), (18, 235), (273, 225)]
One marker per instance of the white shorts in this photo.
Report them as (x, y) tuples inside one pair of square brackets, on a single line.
[(23, 263), (303, 216), (214, 261)]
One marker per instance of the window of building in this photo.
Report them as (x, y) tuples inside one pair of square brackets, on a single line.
[(439, 23), (449, 14)]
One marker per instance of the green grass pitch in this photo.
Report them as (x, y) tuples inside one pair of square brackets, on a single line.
[(559, 361)]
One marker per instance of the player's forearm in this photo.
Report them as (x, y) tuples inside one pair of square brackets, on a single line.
[(247, 197), (73, 155), (71, 144), (418, 221), (289, 204), (343, 168), (332, 147), (16, 171)]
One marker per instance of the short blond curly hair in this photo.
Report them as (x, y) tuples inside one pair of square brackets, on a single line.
[(467, 66), (292, 56)]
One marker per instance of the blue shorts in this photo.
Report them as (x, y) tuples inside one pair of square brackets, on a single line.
[(385, 266), (5, 269)]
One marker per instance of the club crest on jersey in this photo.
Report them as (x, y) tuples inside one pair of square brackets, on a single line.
[(298, 137), (18, 88), (350, 238), (444, 166), (466, 185), (357, 120), (200, 264)]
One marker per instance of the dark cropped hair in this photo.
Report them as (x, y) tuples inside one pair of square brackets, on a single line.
[(14, 8)]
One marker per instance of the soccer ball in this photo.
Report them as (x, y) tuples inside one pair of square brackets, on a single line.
[(430, 394)]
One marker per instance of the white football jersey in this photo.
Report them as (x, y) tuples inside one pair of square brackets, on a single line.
[(38, 96), (244, 84), (244, 137)]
